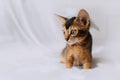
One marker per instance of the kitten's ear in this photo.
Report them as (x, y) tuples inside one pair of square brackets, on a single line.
[(83, 18), (62, 19)]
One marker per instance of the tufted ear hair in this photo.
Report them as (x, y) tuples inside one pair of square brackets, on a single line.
[(83, 18), (62, 19)]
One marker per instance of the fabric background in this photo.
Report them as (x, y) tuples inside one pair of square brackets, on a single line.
[(31, 39)]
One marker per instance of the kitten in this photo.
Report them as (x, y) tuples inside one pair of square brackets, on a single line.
[(79, 41)]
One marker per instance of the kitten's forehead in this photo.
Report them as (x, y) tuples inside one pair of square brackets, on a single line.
[(69, 22), (77, 26), (72, 23)]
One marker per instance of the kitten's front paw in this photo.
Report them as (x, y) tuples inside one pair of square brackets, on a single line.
[(87, 65), (69, 65)]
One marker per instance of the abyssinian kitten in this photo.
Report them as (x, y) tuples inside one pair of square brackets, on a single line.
[(79, 41)]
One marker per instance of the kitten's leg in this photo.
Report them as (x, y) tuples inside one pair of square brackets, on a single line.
[(69, 61), (87, 62), (62, 57), (87, 65)]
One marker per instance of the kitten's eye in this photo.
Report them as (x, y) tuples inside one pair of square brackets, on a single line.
[(73, 31)]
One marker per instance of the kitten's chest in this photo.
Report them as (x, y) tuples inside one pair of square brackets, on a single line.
[(78, 53), (76, 50)]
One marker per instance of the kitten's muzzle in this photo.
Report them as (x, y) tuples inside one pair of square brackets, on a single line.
[(67, 38)]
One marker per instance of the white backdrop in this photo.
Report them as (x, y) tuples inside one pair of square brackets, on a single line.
[(31, 39)]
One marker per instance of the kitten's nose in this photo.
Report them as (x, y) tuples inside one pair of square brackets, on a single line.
[(67, 39)]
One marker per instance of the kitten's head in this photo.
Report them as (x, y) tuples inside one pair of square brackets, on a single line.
[(75, 29)]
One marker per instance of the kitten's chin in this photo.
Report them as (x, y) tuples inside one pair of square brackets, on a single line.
[(71, 42)]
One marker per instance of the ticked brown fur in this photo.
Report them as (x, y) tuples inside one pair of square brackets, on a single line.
[(79, 41)]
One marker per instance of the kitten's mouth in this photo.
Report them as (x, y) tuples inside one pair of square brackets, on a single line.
[(71, 42)]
